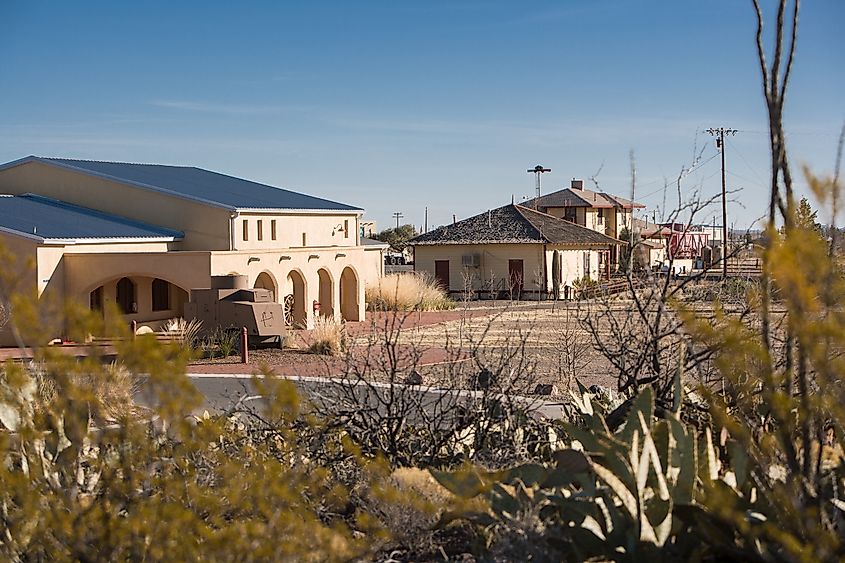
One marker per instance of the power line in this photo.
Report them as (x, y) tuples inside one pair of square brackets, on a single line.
[(734, 147), (686, 172)]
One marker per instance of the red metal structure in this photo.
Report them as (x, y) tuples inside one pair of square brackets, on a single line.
[(684, 243)]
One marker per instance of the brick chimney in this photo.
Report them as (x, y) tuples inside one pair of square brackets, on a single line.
[(577, 184)]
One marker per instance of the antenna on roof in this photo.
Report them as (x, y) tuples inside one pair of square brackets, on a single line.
[(537, 171)]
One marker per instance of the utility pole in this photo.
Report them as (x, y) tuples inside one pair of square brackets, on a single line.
[(720, 144), (398, 215), (537, 171)]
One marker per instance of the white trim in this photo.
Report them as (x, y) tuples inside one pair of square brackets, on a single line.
[(21, 234), (292, 211), (82, 240)]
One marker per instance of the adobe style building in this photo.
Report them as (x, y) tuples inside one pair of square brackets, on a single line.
[(599, 211), (513, 251), (141, 236)]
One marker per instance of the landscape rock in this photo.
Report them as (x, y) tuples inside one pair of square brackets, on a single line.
[(546, 389), (414, 378)]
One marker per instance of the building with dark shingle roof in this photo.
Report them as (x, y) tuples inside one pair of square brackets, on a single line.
[(513, 249), (141, 236)]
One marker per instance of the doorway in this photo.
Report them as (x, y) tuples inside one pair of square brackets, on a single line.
[(441, 274), (515, 277)]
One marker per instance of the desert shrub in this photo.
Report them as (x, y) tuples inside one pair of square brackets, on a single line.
[(733, 291), (186, 333), (109, 391), (207, 488), (328, 337), (585, 287), (222, 340), (407, 292)]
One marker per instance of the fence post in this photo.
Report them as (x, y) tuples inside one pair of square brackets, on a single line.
[(244, 346), (134, 328)]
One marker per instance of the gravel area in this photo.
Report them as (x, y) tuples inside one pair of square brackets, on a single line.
[(529, 338)]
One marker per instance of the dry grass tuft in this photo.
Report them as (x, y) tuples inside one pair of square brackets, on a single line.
[(328, 337), (108, 392), (407, 292)]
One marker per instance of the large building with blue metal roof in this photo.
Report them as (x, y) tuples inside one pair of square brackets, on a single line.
[(140, 236)]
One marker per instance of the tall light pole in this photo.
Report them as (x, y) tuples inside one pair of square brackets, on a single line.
[(720, 144), (537, 171)]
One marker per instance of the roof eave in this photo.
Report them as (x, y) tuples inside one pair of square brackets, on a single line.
[(291, 210)]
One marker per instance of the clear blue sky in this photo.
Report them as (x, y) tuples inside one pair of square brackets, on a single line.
[(394, 106)]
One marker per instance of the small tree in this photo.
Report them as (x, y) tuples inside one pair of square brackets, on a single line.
[(625, 259), (397, 238), (805, 217)]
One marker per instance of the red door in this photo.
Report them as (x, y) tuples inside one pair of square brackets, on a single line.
[(515, 274), (441, 273)]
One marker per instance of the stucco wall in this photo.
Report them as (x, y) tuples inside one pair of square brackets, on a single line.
[(373, 267), (493, 265), (319, 230), (572, 263), (205, 227), (17, 271), (284, 266)]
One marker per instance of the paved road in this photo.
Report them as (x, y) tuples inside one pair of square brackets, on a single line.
[(221, 391)]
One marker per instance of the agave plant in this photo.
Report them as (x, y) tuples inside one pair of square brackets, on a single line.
[(614, 495)]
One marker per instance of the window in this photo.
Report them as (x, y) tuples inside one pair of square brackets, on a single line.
[(601, 216), (346, 228), (246, 229), (95, 300), (260, 229), (586, 264), (570, 214), (303, 239), (272, 229), (126, 296), (161, 295)]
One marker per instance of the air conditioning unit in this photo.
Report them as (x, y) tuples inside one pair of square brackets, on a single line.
[(471, 260)]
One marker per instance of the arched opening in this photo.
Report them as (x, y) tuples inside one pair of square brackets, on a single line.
[(125, 298), (349, 295), (264, 281), (294, 302), (325, 298)]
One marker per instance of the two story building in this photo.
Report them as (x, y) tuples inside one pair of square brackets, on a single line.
[(141, 236), (600, 211)]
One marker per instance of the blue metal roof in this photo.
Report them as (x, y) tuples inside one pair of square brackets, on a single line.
[(196, 184), (45, 218)]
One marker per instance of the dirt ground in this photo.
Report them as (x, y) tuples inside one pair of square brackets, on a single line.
[(529, 338)]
